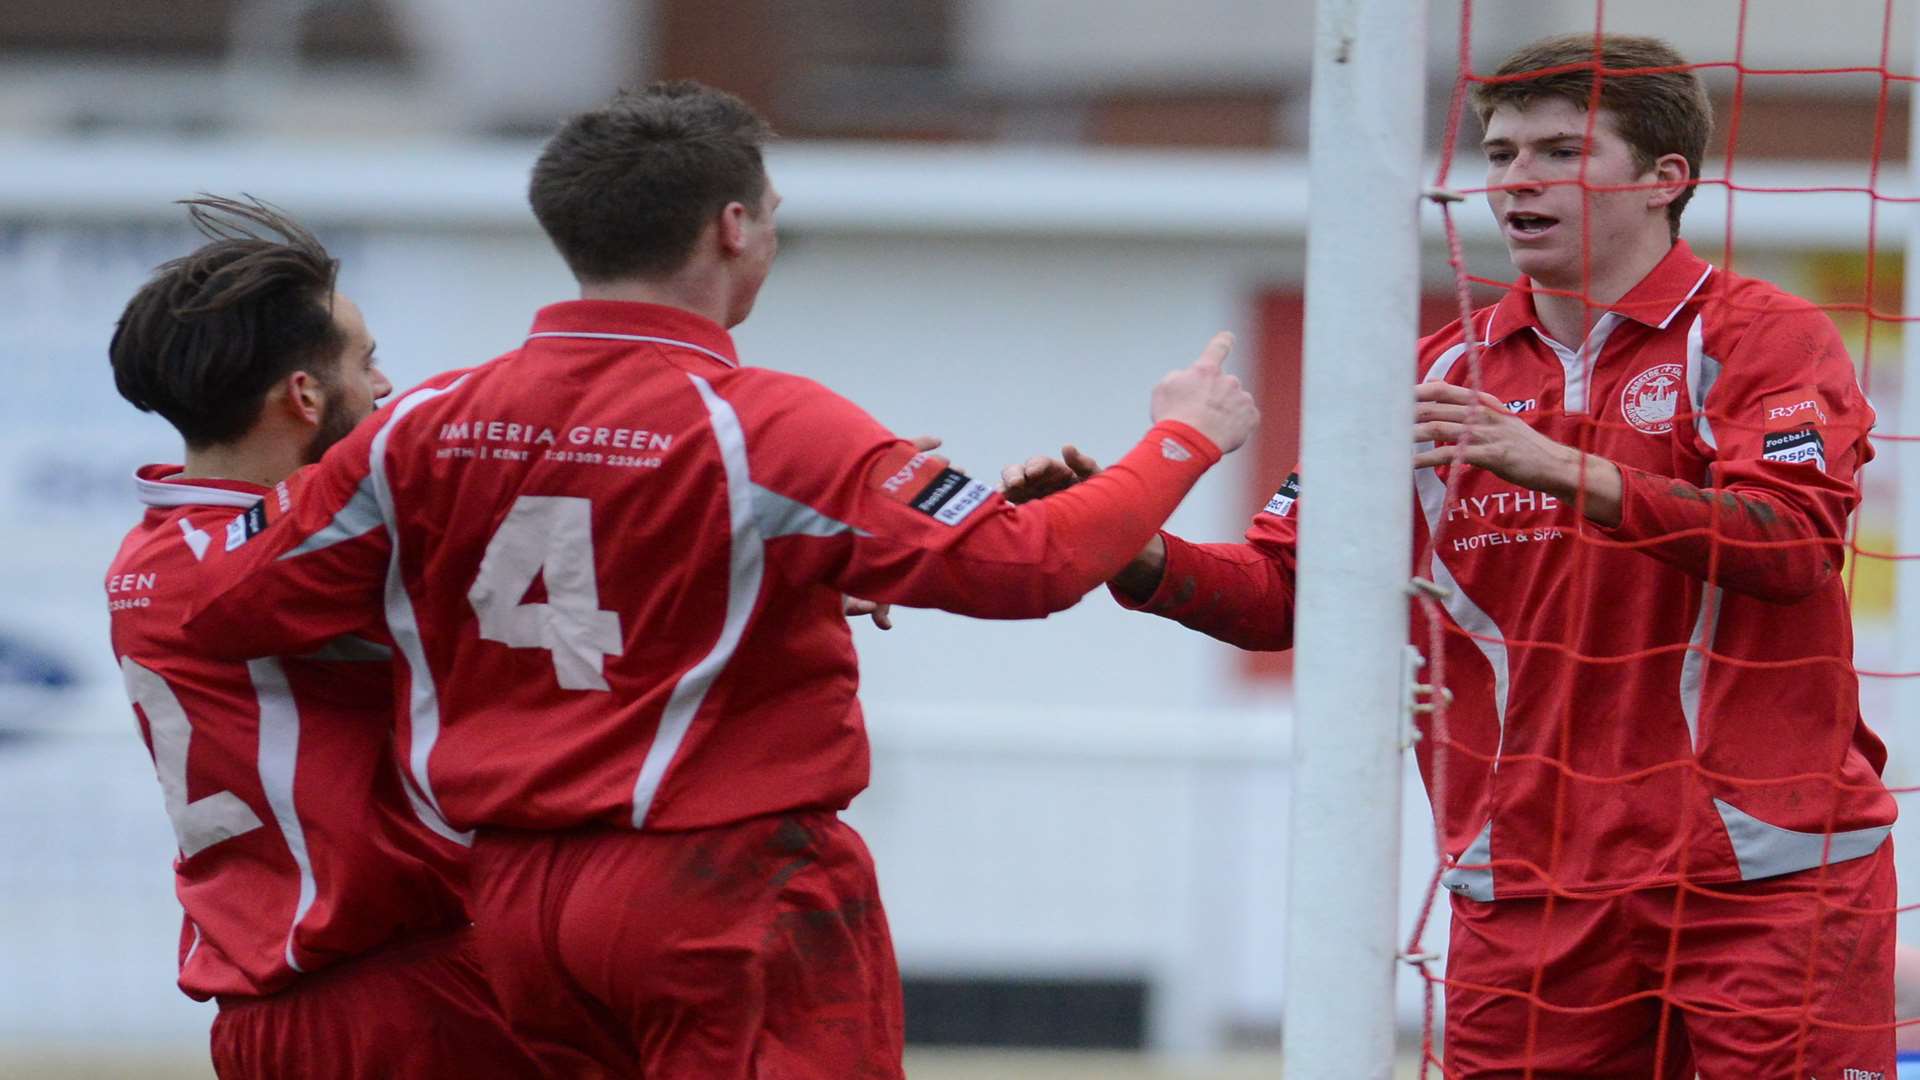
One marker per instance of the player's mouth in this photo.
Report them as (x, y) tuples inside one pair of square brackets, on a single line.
[(1525, 225)]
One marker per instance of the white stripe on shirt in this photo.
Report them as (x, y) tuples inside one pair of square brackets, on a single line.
[(746, 566), (278, 753), (423, 703)]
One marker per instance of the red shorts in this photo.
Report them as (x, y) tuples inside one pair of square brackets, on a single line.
[(1739, 1004), (419, 1009), (757, 949)]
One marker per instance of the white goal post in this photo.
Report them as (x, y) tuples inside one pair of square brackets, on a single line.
[(1362, 300)]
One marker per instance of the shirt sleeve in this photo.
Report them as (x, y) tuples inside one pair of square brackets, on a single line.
[(883, 521), (1242, 593), (1786, 425), (312, 566)]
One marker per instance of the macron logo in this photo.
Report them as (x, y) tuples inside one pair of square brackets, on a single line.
[(1173, 451), (197, 540)]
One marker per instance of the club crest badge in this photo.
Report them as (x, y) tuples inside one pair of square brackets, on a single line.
[(1650, 398)]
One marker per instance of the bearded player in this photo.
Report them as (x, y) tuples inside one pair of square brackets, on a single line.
[(1660, 800), (323, 901)]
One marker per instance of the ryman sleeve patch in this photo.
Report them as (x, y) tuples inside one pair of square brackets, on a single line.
[(1795, 427), (927, 483)]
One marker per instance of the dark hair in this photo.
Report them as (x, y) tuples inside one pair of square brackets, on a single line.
[(624, 190), (1657, 112), (209, 334)]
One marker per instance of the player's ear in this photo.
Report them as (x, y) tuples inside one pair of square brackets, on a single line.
[(1671, 176), (732, 225), (305, 396)]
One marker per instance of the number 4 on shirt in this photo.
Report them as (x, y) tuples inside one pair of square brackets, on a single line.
[(549, 537)]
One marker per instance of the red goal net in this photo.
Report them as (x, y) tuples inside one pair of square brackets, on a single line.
[(1843, 253)]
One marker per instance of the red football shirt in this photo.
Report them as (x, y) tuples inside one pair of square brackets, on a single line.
[(1670, 698), (298, 845), (612, 562)]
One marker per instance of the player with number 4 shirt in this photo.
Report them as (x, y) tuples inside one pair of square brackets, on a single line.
[(613, 560)]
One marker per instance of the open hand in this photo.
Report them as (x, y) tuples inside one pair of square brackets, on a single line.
[(1475, 427), (1041, 476)]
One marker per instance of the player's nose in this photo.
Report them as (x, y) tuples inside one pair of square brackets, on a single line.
[(1520, 175)]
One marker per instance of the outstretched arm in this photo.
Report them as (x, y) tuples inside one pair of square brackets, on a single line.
[(920, 533), (1241, 594)]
